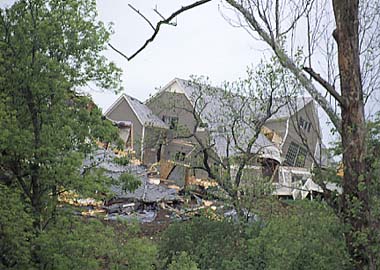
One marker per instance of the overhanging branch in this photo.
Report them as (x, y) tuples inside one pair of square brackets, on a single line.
[(156, 28), (288, 63), (325, 84)]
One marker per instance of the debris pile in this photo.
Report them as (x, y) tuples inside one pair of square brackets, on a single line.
[(155, 197), (204, 183)]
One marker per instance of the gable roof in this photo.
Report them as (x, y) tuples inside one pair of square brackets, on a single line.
[(216, 115), (263, 146), (219, 115), (185, 87), (188, 88), (145, 116), (294, 106)]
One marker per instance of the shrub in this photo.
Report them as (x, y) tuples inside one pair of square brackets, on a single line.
[(129, 182), (209, 243), (183, 262), (123, 160)]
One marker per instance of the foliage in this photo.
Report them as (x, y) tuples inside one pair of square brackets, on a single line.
[(209, 243), (48, 49), (373, 173), (305, 235), (183, 262), (255, 197), (15, 234), (309, 236), (72, 243), (129, 182), (141, 254), (123, 160)]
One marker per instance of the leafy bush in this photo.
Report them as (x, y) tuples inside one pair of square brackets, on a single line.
[(140, 253), (129, 182), (123, 160), (209, 243), (308, 237), (72, 243), (183, 262)]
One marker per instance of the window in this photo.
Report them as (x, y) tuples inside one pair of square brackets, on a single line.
[(221, 129), (172, 121), (301, 157), (203, 125), (296, 178), (304, 124), (180, 156), (299, 179), (296, 155)]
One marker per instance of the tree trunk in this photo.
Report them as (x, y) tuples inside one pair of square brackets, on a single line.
[(355, 199)]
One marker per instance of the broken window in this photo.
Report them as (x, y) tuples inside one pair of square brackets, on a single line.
[(180, 156), (269, 169), (172, 121), (296, 178), (296, 155), (203, 125), (306, 125), (299, 179)]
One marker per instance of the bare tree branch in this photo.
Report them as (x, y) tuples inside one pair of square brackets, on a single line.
[(325, 84), (159, 14), (156, 28), (288, 63), (142, 15)]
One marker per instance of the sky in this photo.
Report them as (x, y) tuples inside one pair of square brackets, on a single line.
[(202, 43)]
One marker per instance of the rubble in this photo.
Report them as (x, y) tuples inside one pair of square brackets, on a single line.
[(205, 183), (155, 195), (141, 204)]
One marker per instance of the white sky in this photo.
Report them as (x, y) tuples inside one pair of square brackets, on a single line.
[(202, 43)]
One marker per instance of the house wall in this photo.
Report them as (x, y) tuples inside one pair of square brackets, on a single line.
[(308, 113), (175, 104), (123, 112), (153, 138)]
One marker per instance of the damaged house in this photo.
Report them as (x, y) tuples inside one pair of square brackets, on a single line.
[(197, 129), (136, 121)]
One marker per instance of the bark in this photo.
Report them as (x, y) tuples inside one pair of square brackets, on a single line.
[(355, 199)]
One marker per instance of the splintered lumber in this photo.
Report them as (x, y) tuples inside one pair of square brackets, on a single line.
[(165, 168)]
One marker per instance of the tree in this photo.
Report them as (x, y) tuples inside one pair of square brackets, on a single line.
[(210, 244), (72, 243), (15, 231), (226, 123), (183, 262), (307, 235), (354, 208), (277, 23), (48, 50)]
